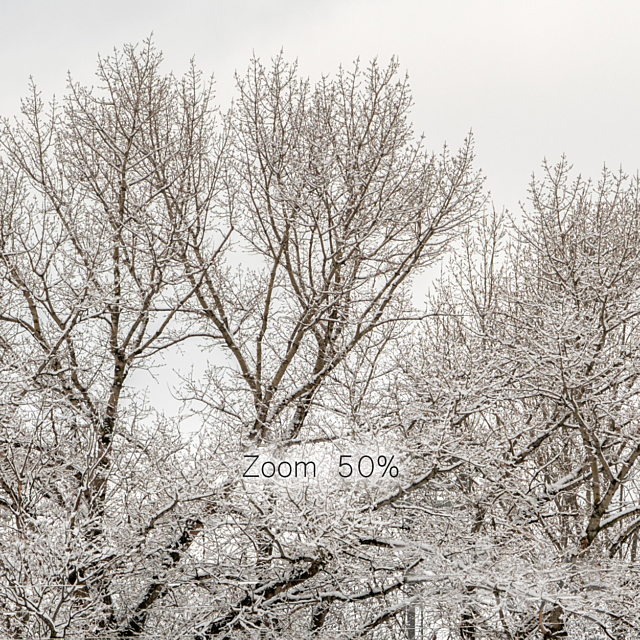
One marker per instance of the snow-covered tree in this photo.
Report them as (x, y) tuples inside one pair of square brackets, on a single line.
[(276, 244), (126, 213), (533, 349)]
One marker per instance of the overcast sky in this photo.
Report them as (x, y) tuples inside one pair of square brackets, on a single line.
[(532, 79)]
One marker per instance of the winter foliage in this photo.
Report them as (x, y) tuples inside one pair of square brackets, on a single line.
[(276, 244)]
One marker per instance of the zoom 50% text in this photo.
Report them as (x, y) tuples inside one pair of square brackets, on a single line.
[(364, 466)]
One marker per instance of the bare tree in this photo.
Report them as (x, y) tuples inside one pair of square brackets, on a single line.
[(339, 205), (124, 212), (91, 284), (533, 347)]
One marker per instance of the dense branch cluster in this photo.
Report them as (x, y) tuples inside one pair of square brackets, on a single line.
[(275, 245)]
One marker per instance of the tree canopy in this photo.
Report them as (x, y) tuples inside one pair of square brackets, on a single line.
[(358, 467)]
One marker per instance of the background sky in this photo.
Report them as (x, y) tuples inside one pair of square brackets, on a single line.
[(531, 78)]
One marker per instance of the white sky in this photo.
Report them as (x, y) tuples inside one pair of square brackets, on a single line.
[(533, 79)]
